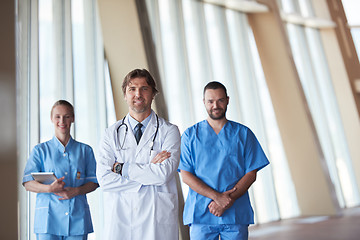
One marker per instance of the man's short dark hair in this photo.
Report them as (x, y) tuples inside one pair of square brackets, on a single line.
[(215, 85), (139, 73)]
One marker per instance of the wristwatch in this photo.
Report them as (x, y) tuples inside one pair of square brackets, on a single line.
[(118, 168)]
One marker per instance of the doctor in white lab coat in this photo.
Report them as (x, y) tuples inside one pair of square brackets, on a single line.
[(140, 193)]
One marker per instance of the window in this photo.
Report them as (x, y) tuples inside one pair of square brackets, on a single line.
[(350, 8), (198, 42), (315, 78), (62, 54)]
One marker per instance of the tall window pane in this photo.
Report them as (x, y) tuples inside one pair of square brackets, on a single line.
[(198, 54), (351, 8), (71, 67), (50, 62), (220, 55), (175, 69), (216, 45), (89, 89), (315, 77)]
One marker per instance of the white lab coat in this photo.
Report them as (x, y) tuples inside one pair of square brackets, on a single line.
[(143, 206)]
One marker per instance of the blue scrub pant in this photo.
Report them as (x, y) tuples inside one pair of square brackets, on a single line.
[(45, 236), (225, 231)]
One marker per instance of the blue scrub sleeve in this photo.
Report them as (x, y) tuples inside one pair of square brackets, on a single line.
[(33, 164), (254, 154), (186, 162), (90, 166)]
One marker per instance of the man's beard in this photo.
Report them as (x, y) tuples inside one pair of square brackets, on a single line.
[(139, 108), (221, 116)]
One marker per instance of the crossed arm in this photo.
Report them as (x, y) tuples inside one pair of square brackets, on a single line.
[(57, 187), (220, 201), (159, 158)]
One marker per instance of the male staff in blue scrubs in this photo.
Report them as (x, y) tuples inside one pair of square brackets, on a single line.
[(219, 161)]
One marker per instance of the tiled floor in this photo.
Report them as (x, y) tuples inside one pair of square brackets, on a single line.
[(345, 227)]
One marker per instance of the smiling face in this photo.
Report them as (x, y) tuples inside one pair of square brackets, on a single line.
[(62, 117), (139, 96), (216, 101)]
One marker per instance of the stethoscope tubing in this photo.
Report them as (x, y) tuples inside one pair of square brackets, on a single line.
[(127, 128)]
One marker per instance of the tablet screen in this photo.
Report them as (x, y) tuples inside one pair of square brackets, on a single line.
[(44, 177)]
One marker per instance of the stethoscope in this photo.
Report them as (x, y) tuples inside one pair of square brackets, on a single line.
[(126, 131)]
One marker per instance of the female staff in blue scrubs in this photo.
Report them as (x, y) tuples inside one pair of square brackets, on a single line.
[(62, 211)]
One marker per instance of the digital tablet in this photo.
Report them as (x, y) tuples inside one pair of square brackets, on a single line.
[(44, 177)]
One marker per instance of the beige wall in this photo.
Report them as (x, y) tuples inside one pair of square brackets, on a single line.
[(345, 71), (314, 189), (124, 48), (346, 44), (8, 170), (125, 51)]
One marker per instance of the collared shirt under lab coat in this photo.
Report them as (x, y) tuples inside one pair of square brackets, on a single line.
[(143, 203)]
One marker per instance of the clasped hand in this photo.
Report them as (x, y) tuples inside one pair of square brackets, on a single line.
[(57, 187), (221, 202)]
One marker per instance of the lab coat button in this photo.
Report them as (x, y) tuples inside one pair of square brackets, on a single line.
[(64, 154), (66, 213), (65, 173)]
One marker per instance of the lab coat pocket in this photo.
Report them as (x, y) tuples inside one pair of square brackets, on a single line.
[(166, 208)]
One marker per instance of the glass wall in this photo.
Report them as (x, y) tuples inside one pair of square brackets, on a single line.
[(195, 42), (64, 58), (198, 42), (311, 63), (351, 8)]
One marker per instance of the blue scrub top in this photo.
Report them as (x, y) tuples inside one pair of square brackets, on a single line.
[(77, 163), (220, 161)]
